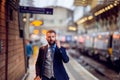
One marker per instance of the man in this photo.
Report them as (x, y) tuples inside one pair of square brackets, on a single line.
[(49, 65), (29, 51)]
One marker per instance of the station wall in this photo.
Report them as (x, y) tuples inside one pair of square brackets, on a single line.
[(12, 58)]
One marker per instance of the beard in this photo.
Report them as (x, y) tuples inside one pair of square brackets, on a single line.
[(51, 42)]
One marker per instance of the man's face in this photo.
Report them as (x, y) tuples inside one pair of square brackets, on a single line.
[(51, 38)]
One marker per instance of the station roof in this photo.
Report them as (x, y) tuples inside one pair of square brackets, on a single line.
[(45, 3)]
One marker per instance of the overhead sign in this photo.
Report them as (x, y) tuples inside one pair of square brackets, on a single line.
[(34, 10)]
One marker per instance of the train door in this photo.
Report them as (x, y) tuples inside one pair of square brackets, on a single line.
[(116, 52)]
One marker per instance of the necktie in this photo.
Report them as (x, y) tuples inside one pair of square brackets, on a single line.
[(52, 52)]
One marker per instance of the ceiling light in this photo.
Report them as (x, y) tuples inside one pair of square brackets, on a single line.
[(115, 4), (111, 5), (90, 17), (108, 7)]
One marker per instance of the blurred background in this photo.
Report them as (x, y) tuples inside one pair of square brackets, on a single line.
[(88, 29)]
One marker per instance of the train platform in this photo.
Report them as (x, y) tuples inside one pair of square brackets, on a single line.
[(73, 68)]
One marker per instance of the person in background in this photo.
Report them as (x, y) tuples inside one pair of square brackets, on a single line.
[(49, 64), (29, 51)]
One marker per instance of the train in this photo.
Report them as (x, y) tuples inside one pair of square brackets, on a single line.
[(104, 47)]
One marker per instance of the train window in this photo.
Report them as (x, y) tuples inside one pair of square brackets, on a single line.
[(102, 42), (89, 41), (116, 42)]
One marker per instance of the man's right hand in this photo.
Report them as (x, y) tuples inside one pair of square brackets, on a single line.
[(37, 78)]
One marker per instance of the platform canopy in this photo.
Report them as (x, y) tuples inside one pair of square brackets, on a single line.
[(46, 3)]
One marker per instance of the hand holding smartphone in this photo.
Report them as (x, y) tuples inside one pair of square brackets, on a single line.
[(58, 44)]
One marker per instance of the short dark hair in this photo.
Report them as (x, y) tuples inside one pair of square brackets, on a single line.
[(51, 31)]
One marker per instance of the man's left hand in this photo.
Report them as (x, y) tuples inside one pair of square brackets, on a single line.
[(58, 44)]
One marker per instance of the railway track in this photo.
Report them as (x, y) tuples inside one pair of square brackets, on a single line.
[(104, 72), (101, 69)]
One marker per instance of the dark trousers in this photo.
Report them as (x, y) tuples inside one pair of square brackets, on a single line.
[(45, 78), (28, 61)]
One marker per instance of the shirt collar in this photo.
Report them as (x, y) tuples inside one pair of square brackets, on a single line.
[(54, 46)]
